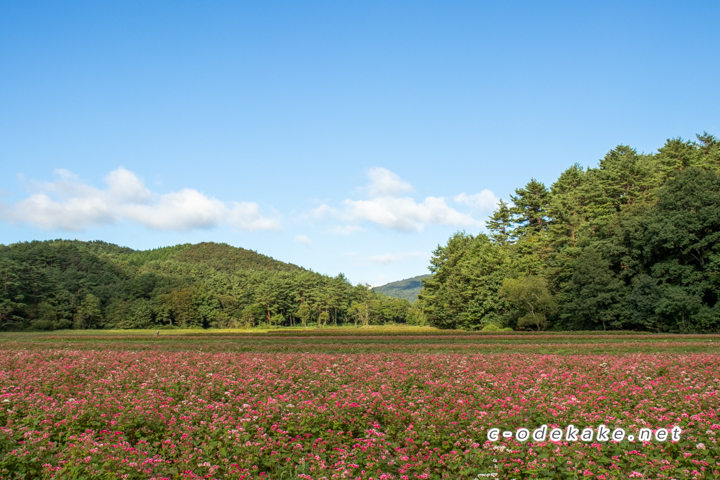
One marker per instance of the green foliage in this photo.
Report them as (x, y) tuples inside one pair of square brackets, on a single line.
[(219, 256), (385, 309), (467, 276), (530, 295), (633, 243), (89, 314), (46, 319), (360, 313), (500, 224), (530, 207), (71, 284), (593, 295), (323, 319), (11, 293), (304, 313), (416, 316), (277, 319)]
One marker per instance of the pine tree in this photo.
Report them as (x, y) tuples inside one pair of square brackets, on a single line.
[(530, 207), (500, 224)]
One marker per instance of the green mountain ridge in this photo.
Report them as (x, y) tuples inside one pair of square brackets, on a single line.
[(220, 256), (409, 289), (61, 284)]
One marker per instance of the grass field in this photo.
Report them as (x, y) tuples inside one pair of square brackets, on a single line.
[(366, 340), (369, 403)]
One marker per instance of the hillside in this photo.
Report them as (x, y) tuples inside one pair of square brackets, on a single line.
[(407, 289), (61, 284), (220, 256)]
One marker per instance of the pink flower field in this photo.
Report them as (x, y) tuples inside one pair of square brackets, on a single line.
[(166, 415)]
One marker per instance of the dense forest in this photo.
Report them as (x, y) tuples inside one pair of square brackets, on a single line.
[(630, 244), (65, 284)]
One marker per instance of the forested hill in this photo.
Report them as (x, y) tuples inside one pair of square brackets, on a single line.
[(219, 256), (633, 243), (407, 289), (72, 284)]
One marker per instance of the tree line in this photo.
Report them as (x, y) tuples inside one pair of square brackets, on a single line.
[(632, 243), (64, 284)]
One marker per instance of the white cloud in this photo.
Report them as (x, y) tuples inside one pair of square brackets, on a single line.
[(125, 187), (69, 204), (387, 258), (384, 183), (186, 209), (247, 216), (324, 212), (303, 239), (346, 229), (485, 201), (72, 214), (405, 214), (387, 209)]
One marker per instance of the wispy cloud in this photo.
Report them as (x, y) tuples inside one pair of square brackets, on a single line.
[(70, 204), (346, 229), (485, 201), (303, 239)]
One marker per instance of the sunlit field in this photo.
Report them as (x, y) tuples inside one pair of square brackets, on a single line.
[(366, 340), (380, 403)]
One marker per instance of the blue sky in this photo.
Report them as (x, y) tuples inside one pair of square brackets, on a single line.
[(345, 137)]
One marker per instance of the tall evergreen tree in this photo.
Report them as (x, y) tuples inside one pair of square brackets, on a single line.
[(530, 206), (500, 224)]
